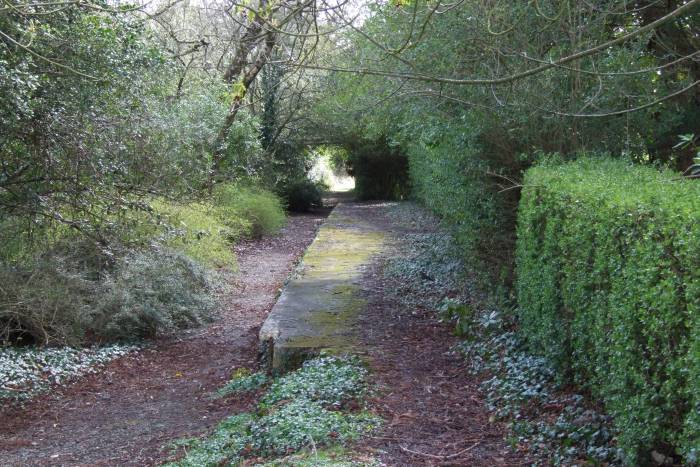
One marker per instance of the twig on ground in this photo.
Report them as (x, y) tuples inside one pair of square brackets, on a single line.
[(440, 457)]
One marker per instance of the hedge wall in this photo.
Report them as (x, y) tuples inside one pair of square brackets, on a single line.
[(608, 283), (450, 175)]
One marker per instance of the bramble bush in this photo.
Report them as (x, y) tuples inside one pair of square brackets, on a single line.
[(608, 282)]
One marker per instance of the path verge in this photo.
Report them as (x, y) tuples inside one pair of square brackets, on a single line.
[(127, 413)]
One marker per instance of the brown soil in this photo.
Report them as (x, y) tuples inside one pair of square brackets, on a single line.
[(432, 407), (127, 413)]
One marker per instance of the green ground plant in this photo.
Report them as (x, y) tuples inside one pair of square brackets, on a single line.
[(302, 412), (26, 372), (243, 380)]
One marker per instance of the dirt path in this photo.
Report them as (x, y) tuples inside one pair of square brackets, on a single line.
[(432, 408), (433, 411), (127, 413)]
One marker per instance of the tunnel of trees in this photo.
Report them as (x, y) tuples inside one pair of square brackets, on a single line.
[(139, 141)]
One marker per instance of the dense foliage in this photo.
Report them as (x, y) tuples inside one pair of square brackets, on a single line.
[(111, 204), (608, 290), (452, 87)]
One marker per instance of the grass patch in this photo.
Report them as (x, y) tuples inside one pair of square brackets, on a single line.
[(300, 413)]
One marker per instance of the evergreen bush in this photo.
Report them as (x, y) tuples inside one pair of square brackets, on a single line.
[(252, 211), (150, 293), (608, 282), (302, 194)]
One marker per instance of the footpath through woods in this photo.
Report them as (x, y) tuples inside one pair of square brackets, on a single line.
[(128, 413), (432, 410), (431, 406)]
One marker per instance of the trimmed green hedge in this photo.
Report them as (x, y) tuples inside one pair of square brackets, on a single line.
[(608, 282), (449, 174)]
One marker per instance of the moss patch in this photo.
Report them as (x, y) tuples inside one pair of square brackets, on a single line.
[(319, 308)]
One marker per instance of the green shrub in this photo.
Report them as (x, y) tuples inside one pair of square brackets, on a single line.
[(609, 290), (150, 293), (47, 299), (73, 294), (196, 229), (301, 195), (251, 211)]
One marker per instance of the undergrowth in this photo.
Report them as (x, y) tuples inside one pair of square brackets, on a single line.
[(61, 288), (520, 389), (27, 372), (243, 380), (300, 413)]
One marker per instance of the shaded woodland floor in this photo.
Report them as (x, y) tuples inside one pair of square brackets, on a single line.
[(129, 413)]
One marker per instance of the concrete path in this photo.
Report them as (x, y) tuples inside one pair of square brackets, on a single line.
[(319, 307)]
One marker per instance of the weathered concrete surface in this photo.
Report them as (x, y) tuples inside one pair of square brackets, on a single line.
[(318, 308)]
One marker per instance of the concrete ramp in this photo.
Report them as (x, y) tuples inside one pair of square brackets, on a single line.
[(318, 308)]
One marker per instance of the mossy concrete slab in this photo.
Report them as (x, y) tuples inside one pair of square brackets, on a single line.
[(318, 308)]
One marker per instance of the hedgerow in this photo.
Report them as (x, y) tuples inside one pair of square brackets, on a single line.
[(609, 291), (449, 174)]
